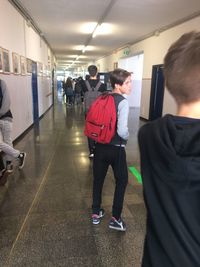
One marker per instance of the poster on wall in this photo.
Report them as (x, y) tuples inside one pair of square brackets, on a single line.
[(16, 63), (6, 61), (29, 66), (23, 65), (1, 61)]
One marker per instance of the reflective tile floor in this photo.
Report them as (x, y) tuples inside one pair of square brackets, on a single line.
[(45, 208)]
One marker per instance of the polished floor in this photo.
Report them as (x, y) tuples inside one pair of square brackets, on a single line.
[(45, 208)]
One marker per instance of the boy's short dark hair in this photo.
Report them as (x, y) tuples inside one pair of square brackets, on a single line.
[(92, 69), (118, 76), (182, 68)]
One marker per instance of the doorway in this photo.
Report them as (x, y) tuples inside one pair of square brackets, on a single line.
[(35, 92), (157, 92), (134, 64)]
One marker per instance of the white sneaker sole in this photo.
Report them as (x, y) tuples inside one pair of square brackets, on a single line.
[(20, 167), (117, 229)]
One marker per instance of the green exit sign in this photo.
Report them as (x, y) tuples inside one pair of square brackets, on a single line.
[(126, 51)]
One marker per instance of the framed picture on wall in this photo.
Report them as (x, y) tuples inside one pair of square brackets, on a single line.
[(23, 65), (16, 63), (1, 60), (6, 61), (29, 66)]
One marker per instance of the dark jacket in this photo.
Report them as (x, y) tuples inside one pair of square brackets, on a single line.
[(170, 166)]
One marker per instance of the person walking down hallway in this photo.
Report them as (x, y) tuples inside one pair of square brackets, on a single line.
[(92, 88), (68, 88), (6, 144), (170, 164), (114, 155)]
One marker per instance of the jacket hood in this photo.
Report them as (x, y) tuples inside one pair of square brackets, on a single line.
[(173, 144)]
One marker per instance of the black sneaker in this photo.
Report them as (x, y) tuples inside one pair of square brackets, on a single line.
[(96, 218), (21, 159), (3, 177), (9, 167), (118, 225)]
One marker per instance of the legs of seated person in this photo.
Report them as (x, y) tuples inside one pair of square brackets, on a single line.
[(6, 141), (2, 167)]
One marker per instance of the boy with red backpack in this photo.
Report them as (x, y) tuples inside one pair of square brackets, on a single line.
[(113, 153)]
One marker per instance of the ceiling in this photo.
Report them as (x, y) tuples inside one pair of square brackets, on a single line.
[(68, 25)]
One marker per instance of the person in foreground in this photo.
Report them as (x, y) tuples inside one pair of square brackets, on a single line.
[(170, 164), (113, 154)]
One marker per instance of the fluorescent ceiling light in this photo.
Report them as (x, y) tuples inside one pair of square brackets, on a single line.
[(70, 56), (88, 27), (101, 29), (96, 31)]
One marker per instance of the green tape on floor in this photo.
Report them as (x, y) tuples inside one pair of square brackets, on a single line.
[(136, 174)]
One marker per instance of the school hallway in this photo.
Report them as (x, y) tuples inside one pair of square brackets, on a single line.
[(45, 209)]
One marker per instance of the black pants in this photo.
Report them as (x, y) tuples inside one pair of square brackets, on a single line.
[(104, 156), (91, 145)]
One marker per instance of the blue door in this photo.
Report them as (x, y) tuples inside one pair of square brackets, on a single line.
[(35, 92), (157, 92)]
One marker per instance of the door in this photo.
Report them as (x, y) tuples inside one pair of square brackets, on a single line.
[(104, 78), (157, 92), (35, 92), (52, 85)]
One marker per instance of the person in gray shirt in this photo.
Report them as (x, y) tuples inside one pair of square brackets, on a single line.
[(113, 154)]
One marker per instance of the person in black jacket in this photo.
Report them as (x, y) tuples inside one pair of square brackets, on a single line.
[(170, 164)]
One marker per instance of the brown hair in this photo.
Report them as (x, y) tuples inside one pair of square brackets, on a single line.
[(182, 68), (118, 76), (92, 69)]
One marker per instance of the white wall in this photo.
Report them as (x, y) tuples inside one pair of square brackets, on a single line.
[(154, 49), (16, 36)]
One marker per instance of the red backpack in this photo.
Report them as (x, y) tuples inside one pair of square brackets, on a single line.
[(101, 119)]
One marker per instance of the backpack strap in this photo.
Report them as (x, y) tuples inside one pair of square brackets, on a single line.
[(98, 85), (92, 89)]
